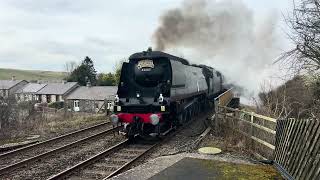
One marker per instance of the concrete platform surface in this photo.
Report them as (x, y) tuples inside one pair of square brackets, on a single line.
[(191, 166), (194, 169)]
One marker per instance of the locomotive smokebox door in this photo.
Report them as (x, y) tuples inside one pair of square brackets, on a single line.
[(145, 65)]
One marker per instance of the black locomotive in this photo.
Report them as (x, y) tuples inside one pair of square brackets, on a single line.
[(158, 91)]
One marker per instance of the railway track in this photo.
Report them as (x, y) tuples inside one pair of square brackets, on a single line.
[(27, 156), (114, 160), (95, 156), (109, 162)]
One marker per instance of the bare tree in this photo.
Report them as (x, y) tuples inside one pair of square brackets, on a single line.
[(117, 69), (304, 24), (70, 66), (292, 99), (8, 111)]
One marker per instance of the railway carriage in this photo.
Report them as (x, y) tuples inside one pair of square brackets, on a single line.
[(158, 91)]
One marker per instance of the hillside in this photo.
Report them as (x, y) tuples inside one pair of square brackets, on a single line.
[(30, 74)]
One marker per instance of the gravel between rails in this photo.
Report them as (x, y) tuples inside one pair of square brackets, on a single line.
[(117, 160), (58, 162), (19, 155), (182, 144)]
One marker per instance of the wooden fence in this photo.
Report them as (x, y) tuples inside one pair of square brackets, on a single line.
[(260, 129), (294, 145)]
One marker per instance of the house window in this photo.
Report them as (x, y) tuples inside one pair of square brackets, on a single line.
[(48, 97), (76, 103), (4, 92)]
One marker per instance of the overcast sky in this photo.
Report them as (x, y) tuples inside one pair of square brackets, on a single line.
[(44, 34)]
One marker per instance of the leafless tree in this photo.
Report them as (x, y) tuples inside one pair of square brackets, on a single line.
[(117, 68), (70, 66), (292, 99), (304, 25), (8, 111)]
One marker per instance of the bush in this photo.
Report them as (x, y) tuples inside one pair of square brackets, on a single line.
[(56, 105)]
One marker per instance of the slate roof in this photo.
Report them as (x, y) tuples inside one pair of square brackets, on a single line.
[(57, 88), (31, 88), (93, 93), (7, 84)]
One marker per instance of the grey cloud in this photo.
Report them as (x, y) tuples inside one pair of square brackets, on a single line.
[(49, 7)]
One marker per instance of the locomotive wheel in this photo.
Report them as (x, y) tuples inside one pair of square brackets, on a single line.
[(150, 138), (198, 108), (180, 119), (193, 111), (189, 115), (184, 117)]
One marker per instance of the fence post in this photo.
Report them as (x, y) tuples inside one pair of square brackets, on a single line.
[(251, 130), (216, 118)]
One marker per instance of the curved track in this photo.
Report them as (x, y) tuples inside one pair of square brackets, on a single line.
[(22, 157)]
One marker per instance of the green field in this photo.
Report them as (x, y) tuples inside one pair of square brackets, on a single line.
[(30, 74)]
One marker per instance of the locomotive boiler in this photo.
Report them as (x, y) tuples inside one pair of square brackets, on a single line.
[(158, 91)]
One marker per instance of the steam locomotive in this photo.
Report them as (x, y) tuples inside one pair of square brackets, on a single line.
[(158, 92)]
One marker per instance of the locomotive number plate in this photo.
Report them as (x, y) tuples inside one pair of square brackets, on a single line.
[(145, 64)]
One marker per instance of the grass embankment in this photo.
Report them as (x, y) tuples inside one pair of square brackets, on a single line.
[(6, 74), (51, 127), (73, 123)]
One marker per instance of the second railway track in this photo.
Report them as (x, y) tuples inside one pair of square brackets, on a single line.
[(28, 156), (98, 156)]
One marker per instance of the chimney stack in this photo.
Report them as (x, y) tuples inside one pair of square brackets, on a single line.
[(13, 78)]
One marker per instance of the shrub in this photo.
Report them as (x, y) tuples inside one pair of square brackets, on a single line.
[(56, 105)]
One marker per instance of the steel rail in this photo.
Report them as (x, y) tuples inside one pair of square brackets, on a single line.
[(122, 145), (93, 159), (64, 174), (52, 140), (131, 162), (24, 162)]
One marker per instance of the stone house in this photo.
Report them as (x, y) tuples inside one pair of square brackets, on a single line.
[(54, 92), (9, 87), (28, 92), (90, 98)]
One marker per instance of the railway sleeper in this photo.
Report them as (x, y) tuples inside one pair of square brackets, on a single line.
[(125, 155), (105, 165), (117, 160), (99, 174)]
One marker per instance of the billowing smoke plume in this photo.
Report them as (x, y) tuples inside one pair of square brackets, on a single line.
[(223, 34)]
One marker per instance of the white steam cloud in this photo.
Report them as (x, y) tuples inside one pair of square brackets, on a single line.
[(225, 35)]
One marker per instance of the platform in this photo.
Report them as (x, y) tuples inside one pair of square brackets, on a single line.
[(194, 169), (189, 166)]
